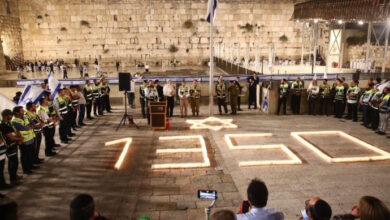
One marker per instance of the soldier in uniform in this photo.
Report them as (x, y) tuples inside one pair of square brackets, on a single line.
[(11, 138), (283, 93), (183, 93), (374, 108), (313, 97), (142, 97), (221, 97), (105, 96), (233, 95), (50, 122), (88, 97), (352, 100), (365, 103), (324, 97), (151, 95), (96, 97), (252, 93), (195, 98), (38, 125), (296, 93), (75, 105)]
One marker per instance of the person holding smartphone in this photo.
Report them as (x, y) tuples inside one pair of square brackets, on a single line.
[(255, 207)]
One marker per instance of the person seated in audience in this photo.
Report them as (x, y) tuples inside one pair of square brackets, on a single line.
[(82, 207), (257, 200), (223, 215), (369, 208), (316, 209), (8, 208)]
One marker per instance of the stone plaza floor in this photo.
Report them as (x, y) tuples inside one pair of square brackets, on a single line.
[(86, 165)]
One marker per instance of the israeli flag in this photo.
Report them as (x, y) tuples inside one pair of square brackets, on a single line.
[(382, 86), (5, 103), (31, 94), (54, 86), (209, 11)]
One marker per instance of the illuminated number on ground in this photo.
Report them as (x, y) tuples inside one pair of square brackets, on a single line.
[(202, 149), (293, 158), (383, 154), (124, 151)]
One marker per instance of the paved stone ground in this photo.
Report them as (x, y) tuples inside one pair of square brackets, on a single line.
[(86, 166)]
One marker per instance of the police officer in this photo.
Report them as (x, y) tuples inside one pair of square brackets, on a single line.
[(38, 125), (87, 90), (96, 97), (50, 122), (221, 97), (105, 96), (75, 105), (374, 108), (53, 113), (151, 95), (102, 97), (314, 91), (183, 93), (384, 111), (296, 93), (11, 138), (325, 97), (283, 93), (27, 148), (62, 108), (339, 99), (142, 97), (160, 90), (365, 103), (195, 98), (233, 96), (352, 100), (252, 93)]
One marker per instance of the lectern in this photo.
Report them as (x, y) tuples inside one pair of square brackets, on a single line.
[(158, 114)]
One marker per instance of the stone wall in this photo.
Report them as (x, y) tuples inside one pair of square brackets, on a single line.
[(10, 34), (145, 30)]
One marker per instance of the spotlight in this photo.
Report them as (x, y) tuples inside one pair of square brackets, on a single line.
[(340, 21), (360, 22), (315, 21)]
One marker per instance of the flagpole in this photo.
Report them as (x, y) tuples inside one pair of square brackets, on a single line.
[(211, 79)]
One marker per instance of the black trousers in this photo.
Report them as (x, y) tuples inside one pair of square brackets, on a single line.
[(352, 111), (49, 139), (239, 102), (147, 111), (171, 105), (2, 165), (102, 105), (324, 105), (222, 102), (143, 106), (81, 114), (296, 104), (13, 162), (252, 100), (107, 104), (374, 118), (283, 101), (96, 105), (338, 108), (312, 106), (130, 98), (89, 109), (73, 119), (63, 128), (27, 156), (38, 141)]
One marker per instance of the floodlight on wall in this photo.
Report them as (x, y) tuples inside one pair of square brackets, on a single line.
[(315, 21), (340, 21), (292, 161), (124, 151), (383, 154), (360, 22), (202, 149)]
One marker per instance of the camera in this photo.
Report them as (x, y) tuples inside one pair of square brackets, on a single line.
[(208, 194)]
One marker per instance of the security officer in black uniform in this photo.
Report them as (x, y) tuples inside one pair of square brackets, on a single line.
[(151, 94), (32, 115), (142, 97), (88, 97), (283, 93), (96, 97), (221, 97), (296, 94), (61, 105)]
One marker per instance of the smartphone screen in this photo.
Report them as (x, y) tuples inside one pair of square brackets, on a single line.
[(245, 206), (207, 194)]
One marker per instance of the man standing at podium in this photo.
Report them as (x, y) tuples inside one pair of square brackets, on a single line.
[(195, 98), (151, 95), (183, 93)]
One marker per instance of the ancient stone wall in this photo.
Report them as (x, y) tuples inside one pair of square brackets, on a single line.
[(10, 34), (146, 30)]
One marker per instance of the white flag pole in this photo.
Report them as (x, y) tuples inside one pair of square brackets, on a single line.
[(211, 84)]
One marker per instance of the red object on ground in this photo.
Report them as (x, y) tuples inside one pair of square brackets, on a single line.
[(168, 124)]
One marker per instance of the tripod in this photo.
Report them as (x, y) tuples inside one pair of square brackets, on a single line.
[(126, 116)]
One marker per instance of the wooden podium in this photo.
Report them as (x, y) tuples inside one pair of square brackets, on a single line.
[(158, 115)]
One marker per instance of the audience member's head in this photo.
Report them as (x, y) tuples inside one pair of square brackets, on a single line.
[(378, 80), (371, 208), (82, 207), (6, 114), (8, 208), (18, 111), (18, 94), (257, 193), (223, 215), (318, 209)]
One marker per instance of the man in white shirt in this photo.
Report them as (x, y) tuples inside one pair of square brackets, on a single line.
[(131, 93), (184, 93), (257, 200), (169, 91)]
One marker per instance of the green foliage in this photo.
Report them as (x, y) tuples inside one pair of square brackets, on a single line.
[(64, 29), (85, 23), (39, 16), (283, 38), (188, 24), (173, 48), (248, 27)]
